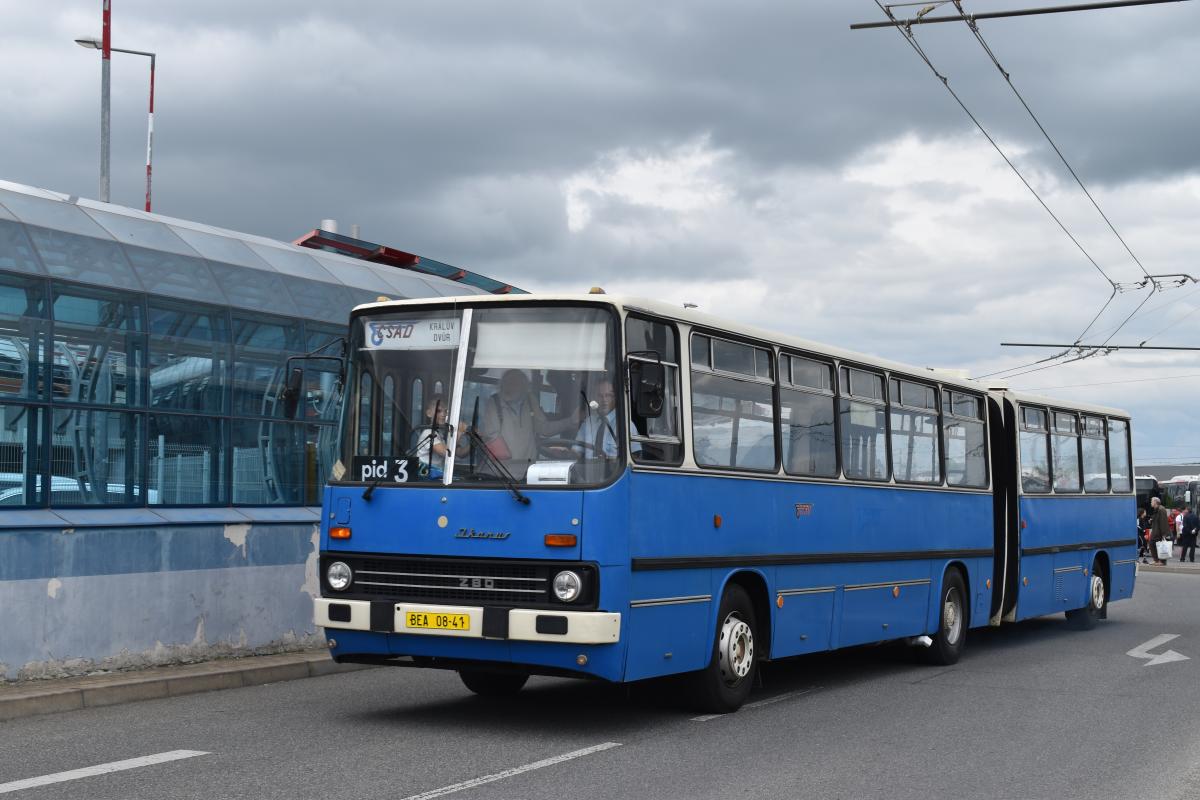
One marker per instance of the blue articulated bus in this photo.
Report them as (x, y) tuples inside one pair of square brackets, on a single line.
[(623, 489)]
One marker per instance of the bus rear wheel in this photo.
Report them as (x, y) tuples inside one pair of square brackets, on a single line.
[(725, 683), (1085, 618), (492, 684), (951, 634)]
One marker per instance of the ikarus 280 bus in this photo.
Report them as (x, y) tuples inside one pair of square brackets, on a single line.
[(623, 489)]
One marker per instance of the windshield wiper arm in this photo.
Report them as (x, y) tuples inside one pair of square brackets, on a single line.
[(507, 477), (430, 436)]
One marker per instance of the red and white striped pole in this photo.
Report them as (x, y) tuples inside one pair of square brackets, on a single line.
[(105, 95), (150, 134)]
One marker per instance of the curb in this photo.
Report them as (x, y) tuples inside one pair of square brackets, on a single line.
[(1169, 568), (70, 694)]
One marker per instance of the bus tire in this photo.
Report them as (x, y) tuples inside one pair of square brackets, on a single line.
[(492, 684), (951, 634), (724, 685), (1085, 618)]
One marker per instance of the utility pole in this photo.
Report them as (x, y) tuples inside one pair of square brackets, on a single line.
[(105, 97)]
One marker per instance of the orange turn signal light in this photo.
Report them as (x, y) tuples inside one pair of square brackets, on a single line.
[(339, 533), (560, 540)]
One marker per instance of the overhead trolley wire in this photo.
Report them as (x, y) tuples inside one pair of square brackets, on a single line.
[(974, 27), (910, 37)]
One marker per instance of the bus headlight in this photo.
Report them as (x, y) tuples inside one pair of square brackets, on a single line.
[(338, 576), (567, 586)]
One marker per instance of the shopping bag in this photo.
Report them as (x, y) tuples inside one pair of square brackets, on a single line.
[(1164, 549)]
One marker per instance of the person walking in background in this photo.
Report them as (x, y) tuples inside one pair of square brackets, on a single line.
[(1160, 528), (1191, 526), (1143, 529)]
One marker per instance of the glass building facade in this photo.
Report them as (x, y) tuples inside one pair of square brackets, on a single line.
[(141, 357)]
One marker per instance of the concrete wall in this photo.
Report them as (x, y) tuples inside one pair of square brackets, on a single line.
[(74, 599)]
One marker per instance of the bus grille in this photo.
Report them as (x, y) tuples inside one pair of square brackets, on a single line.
[(462, 582)]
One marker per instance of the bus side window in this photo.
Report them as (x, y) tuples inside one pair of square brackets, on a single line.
[(1118, 455), (733, 414), (656, 440), (863, 428), (1035, 456), (966, 442), (806, 411)]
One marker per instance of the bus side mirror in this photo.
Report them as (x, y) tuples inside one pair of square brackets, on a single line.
[(647, 384), (290, 395)]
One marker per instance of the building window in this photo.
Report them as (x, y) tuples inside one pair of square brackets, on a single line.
[(20, 467), (96, 457), (187, 460)]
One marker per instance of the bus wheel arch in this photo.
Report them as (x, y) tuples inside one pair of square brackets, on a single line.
[(755, 585), (737, 647), (954, 617), (1099, 588), (964, 575)]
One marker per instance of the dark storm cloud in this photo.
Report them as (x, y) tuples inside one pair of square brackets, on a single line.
[(365, 105)]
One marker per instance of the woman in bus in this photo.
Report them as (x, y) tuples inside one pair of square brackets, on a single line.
[(431, 438)]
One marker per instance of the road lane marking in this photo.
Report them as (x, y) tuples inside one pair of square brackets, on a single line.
[(1143, 651), (99, 769), (785, 696), (508, 773), (760, 703)]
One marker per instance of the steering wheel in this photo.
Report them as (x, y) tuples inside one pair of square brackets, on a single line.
[(547, 447)]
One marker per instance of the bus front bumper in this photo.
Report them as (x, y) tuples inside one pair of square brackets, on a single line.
[(469, 622)]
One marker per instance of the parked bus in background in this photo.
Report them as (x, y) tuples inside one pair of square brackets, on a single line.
[(632, 490), (1180, 491), (1147, 487)]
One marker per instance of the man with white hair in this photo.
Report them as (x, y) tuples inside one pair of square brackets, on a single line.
[(1160, 528)]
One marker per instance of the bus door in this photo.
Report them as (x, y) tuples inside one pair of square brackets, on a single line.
[(1002, 416)]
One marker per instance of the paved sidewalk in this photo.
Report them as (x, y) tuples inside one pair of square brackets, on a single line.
[(30, 698), (1174, 565)]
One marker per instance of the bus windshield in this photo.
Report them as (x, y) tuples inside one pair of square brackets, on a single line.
[(532, 397)]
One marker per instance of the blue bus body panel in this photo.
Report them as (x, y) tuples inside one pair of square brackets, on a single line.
[(822, 527), (1052, 582), (842, 564), (442, 521)]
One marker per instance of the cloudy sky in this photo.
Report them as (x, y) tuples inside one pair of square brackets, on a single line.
[(757, 158)]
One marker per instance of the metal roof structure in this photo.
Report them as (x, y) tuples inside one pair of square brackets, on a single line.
[(382, 254), (108, 245)]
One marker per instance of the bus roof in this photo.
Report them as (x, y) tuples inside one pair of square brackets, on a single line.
[(700, 319)]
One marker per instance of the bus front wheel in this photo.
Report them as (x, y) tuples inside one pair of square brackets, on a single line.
[(725, 683), (951, 634), (492, 684)]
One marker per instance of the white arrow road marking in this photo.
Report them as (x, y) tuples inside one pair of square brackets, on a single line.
[(1143, 651), (99, 769)]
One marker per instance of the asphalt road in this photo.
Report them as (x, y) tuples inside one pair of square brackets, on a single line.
[(1034, 710)]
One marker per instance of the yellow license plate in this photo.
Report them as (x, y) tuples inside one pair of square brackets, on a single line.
[(428, 620)]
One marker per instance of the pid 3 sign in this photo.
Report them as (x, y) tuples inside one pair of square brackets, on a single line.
[(369, 469)]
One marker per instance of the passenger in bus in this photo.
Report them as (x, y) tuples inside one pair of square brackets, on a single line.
[(513, 423), (597, 435), (431, 444)]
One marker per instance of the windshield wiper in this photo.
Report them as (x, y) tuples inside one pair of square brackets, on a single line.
[(430, 436), (505, 476)]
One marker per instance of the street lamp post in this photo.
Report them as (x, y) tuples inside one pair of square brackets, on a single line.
[(105, 47)]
